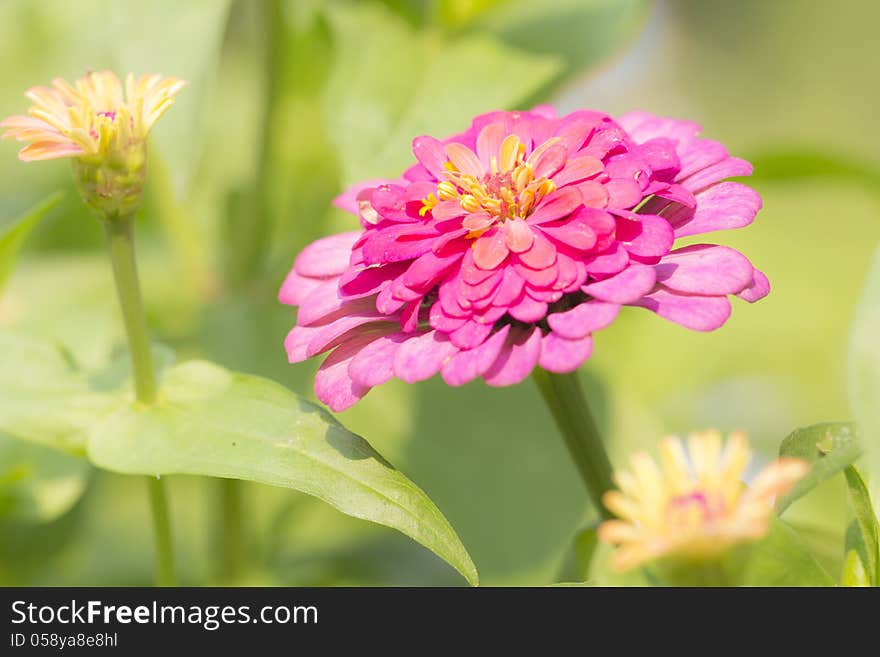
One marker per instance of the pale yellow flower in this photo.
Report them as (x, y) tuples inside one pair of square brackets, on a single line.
[(694, 507), (92, 117), (102, 125)]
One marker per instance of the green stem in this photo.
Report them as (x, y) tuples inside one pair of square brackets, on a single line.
[(120, 244), (161, 532), (565, 398), (120, 241), (231, 530)]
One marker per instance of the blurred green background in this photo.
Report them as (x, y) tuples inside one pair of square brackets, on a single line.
[(289, 102)]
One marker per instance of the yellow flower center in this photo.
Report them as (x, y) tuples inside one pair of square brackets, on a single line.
[(509, 190)]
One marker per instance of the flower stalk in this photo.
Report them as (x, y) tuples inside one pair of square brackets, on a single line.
[(565, 399), (120, 244)]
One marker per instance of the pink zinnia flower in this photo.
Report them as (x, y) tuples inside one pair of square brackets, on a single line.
[(508, 245)]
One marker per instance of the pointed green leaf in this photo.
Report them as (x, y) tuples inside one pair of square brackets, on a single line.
[(214, 422), (855, 559), (866, 520), (827, 447), (782, 559), (14, 233)]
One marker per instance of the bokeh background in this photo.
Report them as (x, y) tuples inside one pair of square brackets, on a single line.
[(290, 101)]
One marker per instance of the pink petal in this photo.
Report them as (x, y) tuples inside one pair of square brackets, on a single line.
[(643, 126), (705, 269), (538, 277), (297, 342), (431, 154), (517, 359), (447, 210), (295, 288), (701, 154), (561, 355), (396, 243), (510, 289), (609, 262), (584, 319), (489, 143), (578, 169), (477, 221), (467, 365), (373, 365), (629, 285), (409, 316), (593, 194), (325, 338), (572, 274), (732, 166), (443, 322), (723, 206), (623, 193), (320, 302), (333, 385), (757, 289), (574, 128), (694, 312), (449, 300), (48, 150), (390, 201), (550, 161), (554, 206), (660, 156), (348, 200), (470, 273), (421, 357), (464, 160), (490, 249), (387, 303), (576, 232), (427, 269), (490, 315), (328, 256), (470, 335), (528, 310), (369, 280), (540, 255), (518, 234), (483, 289), (645, 235)]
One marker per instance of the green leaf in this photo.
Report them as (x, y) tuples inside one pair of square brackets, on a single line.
[(864, 368), (827, 447), (14, 233), (38, 484), (855, 572), (44, 398), (866, 520), (217, 423), (400, 83), (576, 567), (781, 559)]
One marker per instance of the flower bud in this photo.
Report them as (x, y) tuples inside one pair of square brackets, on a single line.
[(103, 127)]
